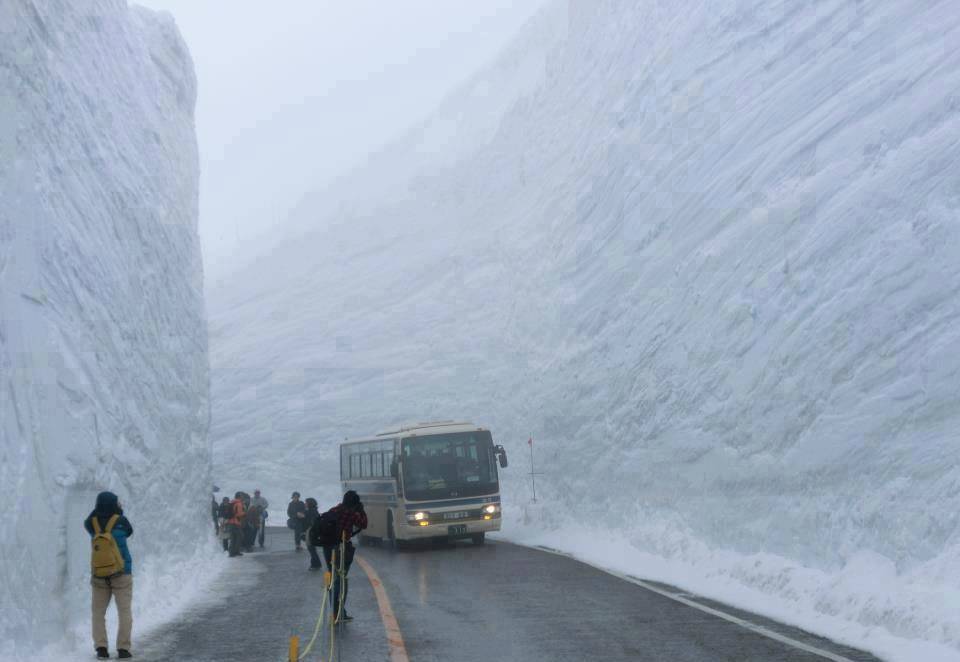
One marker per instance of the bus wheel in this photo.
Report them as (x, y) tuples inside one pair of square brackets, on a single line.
[(479, 538), (392, 542)]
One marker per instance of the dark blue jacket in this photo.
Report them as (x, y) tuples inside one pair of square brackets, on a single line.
[(108, 505)]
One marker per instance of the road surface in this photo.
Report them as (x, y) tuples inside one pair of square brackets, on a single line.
[(470, 604)]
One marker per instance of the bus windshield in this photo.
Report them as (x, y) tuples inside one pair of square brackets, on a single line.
[(442, 466)]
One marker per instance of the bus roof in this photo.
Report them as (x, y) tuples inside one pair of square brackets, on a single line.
[(429, 427), (422, 429)]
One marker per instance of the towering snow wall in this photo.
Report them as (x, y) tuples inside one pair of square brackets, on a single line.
[(103, 357), (709, 256)]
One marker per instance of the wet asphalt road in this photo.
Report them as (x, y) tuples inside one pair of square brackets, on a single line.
[(272, 596), (467, 604)]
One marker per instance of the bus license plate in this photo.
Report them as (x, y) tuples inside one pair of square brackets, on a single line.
[(457, 529), (461, 514)]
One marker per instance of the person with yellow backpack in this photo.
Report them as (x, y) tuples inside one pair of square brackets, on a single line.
[(112, 572)]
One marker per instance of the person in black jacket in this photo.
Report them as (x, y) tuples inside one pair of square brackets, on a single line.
[(351, 520), (296, 512), (215, 511), (310, 517), (225, 512), (119, 586)]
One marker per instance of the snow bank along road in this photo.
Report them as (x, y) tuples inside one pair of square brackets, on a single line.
[(470, 604)]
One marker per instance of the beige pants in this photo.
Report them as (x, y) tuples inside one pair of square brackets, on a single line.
[(121, 588)]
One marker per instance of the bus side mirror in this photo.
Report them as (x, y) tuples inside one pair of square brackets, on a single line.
[(501, 456)]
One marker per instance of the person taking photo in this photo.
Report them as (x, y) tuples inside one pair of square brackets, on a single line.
[(112, 573)]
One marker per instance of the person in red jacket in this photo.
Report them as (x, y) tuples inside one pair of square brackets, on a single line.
[(352, 520), (235, 524)]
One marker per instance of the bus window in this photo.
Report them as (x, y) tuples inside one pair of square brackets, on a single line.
[(354, 466), (442, 465)]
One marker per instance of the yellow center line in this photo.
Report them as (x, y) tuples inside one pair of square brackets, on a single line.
[(398, 650)]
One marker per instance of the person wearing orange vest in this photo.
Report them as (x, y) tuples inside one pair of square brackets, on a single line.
[(235, 524)]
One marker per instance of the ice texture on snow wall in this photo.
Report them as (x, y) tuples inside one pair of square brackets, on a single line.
[(708, 254), (103, 350)]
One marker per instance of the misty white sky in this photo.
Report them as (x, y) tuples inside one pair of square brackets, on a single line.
[(296, 92)]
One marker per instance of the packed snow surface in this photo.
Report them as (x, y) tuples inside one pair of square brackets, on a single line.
[(707, 254), (103, 347)]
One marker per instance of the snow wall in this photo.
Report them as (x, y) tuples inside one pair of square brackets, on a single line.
[(709, 257), (104, 378)]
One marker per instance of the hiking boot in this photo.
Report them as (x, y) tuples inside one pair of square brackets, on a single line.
[(102, 653), (123, 653), (346, 617)]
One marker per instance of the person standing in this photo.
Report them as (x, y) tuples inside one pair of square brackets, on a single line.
[(247, 531), (351, 519), (235, 524), (263, 504), (112, 570), (311, 516), (296, 512), (215, 511), (251, 526), (225, 513)]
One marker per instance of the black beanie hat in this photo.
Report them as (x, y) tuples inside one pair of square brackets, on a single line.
[(108, 504), (351, 498)]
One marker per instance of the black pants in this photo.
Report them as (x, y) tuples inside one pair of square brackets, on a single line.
[(330, 555), (263, 529), (297, 532), (235, 534), (315, 561), (249, 537)]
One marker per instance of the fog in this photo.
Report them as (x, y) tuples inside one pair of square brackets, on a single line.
[(292, 97)]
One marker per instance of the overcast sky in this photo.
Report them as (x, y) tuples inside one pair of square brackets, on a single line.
[(292, 93)]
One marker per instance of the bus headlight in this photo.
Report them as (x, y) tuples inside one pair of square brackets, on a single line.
[(491, 509), (419, 516)]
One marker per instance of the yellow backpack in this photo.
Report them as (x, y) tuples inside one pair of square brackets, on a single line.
[(105, 559)]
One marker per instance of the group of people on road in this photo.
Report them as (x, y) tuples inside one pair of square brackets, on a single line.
[(329, 532), (240, 522)]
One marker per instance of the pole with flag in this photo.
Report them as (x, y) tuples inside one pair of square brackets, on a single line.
[(533, 475)]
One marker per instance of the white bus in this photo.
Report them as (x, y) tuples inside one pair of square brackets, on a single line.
[(426, 480)]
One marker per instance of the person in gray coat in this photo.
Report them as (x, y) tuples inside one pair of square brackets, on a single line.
[(262, 503)]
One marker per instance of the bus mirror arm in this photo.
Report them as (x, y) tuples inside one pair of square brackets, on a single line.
[(501, 455)]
